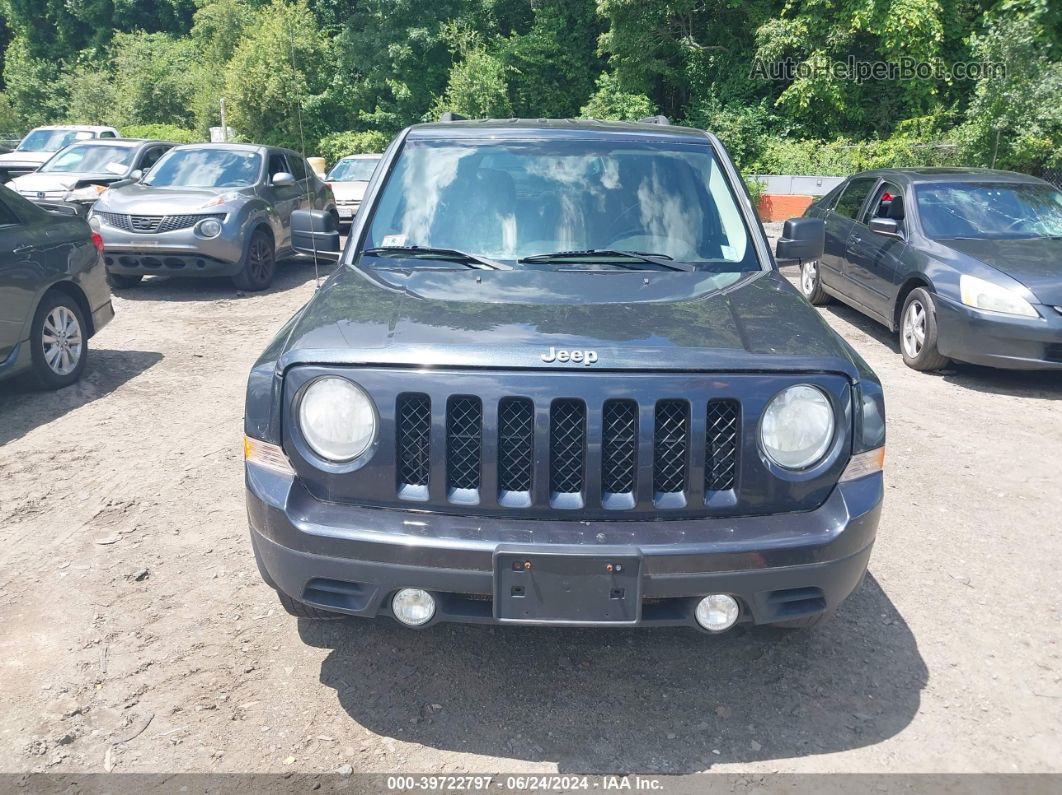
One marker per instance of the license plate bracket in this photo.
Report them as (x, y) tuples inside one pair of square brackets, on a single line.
[(566, 588)]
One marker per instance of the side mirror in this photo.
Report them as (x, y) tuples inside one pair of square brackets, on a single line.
[(802, 240), (315, 233), (136, 174), (282, 179), (889, 227)]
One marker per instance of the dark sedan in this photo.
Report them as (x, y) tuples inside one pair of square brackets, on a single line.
[(53, 292), (965, 264)]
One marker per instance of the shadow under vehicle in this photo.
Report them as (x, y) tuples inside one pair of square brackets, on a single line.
[(208, 210), (965, 264)]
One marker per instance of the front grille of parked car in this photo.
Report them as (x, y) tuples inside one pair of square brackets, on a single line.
[(464, 423), (153, 224), (508, 461)]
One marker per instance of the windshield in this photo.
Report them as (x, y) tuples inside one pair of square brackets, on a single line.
[(989, 211), (359, 170), (514, 199), (50, 140), (91, 159), (205, 168)]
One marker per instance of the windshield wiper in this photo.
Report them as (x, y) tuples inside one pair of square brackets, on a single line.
[(663, 260), (444, 254)]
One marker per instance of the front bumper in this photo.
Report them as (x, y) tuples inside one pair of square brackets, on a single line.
[(176, 252), (351, 560), (995, 340)]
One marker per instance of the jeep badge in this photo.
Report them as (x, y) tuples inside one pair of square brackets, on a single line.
[(585, 358)]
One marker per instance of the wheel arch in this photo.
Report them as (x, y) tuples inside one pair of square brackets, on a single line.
[(73, 291), (912, 282)]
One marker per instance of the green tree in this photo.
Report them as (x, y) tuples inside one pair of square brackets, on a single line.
[(33, 86), (609, 102), (152, 78), (275, 83), (93, 97), (477, 88)]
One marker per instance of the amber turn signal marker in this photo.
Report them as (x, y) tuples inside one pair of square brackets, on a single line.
[(271, 456), (863, 464)]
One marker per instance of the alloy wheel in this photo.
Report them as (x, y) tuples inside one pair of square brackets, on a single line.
[(809, 277), (914, 329), (61, 337), (260, 259)]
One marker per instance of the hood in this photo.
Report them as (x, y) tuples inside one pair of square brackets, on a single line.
[(348, 191), (18, 158), (644, 320), (138, 199), (1036, 263), (47, 182)]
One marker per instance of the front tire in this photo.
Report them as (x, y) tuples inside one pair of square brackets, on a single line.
[(299, 610), (259, 263), (918, 332), (119, 281), (811, 283), (59, 342)]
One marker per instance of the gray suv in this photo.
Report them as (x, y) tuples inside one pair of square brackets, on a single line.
[(208, 210)]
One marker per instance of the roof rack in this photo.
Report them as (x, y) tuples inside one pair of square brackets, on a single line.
[(451, 116), (664, 120)]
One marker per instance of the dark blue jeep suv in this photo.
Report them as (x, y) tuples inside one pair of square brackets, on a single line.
[(557, 378)]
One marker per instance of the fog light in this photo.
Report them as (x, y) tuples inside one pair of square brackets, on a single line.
[(717, 612), (413, 607)]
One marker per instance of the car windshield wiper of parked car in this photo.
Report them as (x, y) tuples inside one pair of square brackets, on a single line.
[(662, 260), (441, 254)]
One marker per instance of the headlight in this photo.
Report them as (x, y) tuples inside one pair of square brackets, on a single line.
[(87, 194), (94, 223), (11, 185), (337, 419), (797, 427), (992, 298), (209, 227)]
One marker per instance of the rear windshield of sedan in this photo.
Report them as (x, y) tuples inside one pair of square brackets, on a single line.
[(352, 170), (205, 168), (91, 159), (989, 210), (511, 199)]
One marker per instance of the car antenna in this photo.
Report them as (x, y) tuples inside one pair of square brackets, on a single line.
[(302, 144)]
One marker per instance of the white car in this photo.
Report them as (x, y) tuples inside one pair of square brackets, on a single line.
[(43, 142), (348, 179)]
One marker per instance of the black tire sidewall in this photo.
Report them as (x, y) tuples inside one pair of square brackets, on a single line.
[(42, 375), (928, 357), (244, 280)]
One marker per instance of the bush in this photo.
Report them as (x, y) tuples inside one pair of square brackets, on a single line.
[(611, 104), (161, 132), (333, 147), (841, 158)]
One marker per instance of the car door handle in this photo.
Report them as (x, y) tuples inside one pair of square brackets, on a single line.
[(857, 240), (23, 248)]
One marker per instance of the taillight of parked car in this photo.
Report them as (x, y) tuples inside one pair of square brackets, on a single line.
[(97, 241)]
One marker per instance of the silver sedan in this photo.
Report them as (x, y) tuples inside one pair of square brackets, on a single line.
[(208, 210)]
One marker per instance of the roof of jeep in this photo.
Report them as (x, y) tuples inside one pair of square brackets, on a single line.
[(551, 128)]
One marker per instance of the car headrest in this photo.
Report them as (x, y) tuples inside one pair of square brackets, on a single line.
[(896, 208)]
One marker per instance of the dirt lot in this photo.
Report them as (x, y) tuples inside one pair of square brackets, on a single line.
[(137, 635)]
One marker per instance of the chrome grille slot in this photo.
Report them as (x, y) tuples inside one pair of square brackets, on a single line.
[(464, 432), (413, 443), (721, 446)]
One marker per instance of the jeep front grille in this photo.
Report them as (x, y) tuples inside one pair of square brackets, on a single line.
[(414, 440), (619, 446), (509, 464), (516, 445), (721, 459), (464, 424)]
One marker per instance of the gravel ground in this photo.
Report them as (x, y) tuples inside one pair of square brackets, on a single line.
[(137, 635)]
